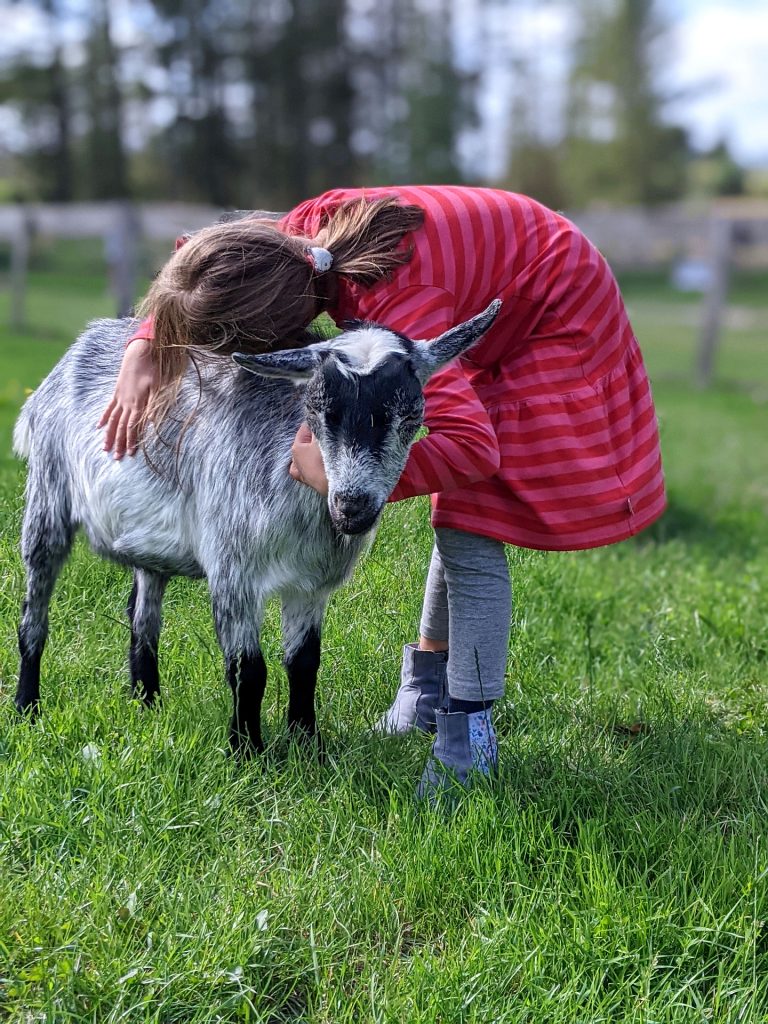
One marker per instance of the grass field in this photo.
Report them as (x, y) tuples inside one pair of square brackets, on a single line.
[(617, 871)]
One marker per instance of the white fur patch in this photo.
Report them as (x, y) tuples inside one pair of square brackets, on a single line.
[(365, 348), (22, 436)]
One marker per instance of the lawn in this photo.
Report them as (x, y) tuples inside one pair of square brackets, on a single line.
[(617, 871)]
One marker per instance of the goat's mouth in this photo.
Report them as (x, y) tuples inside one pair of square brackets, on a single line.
[(353, 516)]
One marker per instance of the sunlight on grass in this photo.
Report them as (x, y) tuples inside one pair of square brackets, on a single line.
[(617, 871)]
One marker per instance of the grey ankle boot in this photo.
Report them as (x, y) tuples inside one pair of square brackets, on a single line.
[(422, 690), (465, 746)]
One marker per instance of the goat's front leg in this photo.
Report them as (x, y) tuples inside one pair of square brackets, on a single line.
[(237, 615), (302, 623), (145, 617)]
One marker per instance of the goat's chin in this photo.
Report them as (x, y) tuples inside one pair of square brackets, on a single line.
[(353, 527)]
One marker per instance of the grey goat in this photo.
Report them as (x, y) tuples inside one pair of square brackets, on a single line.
[(223, 506)]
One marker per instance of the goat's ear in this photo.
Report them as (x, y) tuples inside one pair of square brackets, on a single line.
[(294, 364), (429, 357)]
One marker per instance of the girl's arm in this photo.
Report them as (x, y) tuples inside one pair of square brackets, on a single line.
[(124, 415), (135, 381), (461, 446)]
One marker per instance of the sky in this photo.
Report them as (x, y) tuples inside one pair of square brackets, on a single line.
[(725, 43), (718, 64)]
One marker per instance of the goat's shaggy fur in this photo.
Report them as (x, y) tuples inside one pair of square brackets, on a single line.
[(224, 506)]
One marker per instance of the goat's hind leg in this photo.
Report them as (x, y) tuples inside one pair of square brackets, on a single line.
[(145, 617), (302, 619), (46, 541)]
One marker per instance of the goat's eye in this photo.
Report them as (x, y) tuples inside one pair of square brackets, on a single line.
[(333, 417), (379, 421)]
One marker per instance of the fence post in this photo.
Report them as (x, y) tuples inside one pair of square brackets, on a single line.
[(721, 235), (20, 249), (121, 249)]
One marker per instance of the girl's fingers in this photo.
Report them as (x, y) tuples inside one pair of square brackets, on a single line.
[(304, 435), (132, 435), (122, 433), (112, 425), (294, 472), (107, 412)]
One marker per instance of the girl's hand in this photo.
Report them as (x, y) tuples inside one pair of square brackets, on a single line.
[(307, 462), (135, 382)]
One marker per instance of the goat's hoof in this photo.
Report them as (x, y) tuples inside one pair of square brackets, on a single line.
[(308, 736), (147, 698), (244, 747), (28, 709)]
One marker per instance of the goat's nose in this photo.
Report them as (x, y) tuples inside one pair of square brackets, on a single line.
[(349, 504)]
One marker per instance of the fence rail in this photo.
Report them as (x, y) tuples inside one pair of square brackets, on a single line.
[(708, 240)]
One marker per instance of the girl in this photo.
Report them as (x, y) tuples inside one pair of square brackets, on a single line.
[(544, 436)]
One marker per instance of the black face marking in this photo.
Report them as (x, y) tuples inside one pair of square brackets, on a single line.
[(362, 408)]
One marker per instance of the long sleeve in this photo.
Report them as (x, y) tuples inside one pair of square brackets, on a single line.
[(461, 446)]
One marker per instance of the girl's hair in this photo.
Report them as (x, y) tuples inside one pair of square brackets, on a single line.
[(248, 286)]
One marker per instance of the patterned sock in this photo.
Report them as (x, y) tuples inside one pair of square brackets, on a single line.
[(482, 741)]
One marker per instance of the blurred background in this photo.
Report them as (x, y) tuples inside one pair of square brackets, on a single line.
[(125, 122)]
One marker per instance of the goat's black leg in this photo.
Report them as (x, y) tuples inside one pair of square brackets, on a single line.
[(145, 617), (247, 677), (46, 540), (237, 614), (302, 621)]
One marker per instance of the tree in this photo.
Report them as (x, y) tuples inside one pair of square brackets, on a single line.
[(716, 173), (413, 101), (106, 165), (41, 92), (534, 166), (617, 144), (197, 52), (299, 69)]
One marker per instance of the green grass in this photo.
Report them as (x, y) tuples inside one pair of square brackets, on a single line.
[(617, 871)]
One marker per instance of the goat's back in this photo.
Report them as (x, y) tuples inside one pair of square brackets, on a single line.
[(212, 489)]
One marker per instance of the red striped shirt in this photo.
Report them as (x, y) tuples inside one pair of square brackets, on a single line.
[(545, 435)]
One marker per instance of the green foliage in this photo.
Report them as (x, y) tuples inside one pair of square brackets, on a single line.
[(228, 101), (617, 143), (616, 873), (716, 173), (279, 100)]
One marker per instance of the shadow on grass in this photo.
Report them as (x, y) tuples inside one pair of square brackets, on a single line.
[(714, 536), (577, 770)]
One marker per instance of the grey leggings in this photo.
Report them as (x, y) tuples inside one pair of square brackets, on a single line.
[(468, 602)]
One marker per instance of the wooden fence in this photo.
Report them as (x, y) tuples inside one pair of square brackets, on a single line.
[(707, 240)]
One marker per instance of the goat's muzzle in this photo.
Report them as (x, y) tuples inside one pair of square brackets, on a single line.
[(353, 513)]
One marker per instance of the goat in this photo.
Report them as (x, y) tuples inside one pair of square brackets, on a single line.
[(226, 509)]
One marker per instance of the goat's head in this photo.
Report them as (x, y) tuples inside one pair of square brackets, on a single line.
[(364, 404)]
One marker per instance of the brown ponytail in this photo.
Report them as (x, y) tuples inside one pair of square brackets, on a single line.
[(248, 286), (363, 236)]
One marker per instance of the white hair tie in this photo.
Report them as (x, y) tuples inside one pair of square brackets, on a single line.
[(320, 259)]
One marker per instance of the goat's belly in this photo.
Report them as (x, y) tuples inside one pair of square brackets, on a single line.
[(125, 551), (125, 525)]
